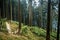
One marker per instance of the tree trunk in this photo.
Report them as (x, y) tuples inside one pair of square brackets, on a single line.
[(58, 27), (3, 9), (0, 12), (51, 18), (0, 19), (7, 10), (48, 21), (40, 16), (30, 12), (40, 13), (19, 16), (11, 10)]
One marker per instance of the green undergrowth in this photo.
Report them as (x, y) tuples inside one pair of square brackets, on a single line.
[(27, 33)]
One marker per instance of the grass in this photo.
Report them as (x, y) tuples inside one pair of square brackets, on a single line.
[(27, 33)]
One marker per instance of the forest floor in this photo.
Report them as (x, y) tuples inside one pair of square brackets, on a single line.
[(27, 33)]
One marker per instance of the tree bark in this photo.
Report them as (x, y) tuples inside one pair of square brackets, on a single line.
[(0, 12), (7, 9), (40, 13), (30, 12), (51, 18), (11, 10), (3, 9), (48, 21), (0, 19), (40, 16), (19, 16), (58, 27)]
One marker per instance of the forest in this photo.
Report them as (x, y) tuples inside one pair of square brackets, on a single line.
[(29, 19)]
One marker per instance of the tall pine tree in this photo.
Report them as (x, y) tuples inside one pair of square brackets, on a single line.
[(30, 12), (48, 21), (19, 17), (58, 27)]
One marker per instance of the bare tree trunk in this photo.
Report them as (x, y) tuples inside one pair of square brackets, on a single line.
[(11, 9), (40, 13), (48, 21), (30, 12), (0, 12), (51, 18), (3, 10), (6, 10), (40, 16), (0, 19), (58, 27), (19, 16)]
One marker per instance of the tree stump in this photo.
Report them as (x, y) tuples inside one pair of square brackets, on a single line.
[(8, 27)]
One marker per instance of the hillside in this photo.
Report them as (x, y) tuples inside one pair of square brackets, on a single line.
[(27, 33)]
